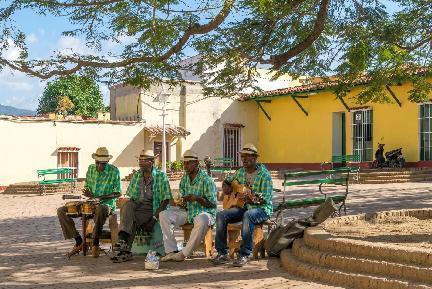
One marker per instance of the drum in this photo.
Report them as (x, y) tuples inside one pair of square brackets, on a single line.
[(89, 207), (121, 201), (73, 208)]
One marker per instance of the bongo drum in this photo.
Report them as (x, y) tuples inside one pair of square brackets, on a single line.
[(73, 208), (89, 207)]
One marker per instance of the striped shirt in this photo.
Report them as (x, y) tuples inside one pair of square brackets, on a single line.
[(103, 183), (202, 186), (161, 188), (262, 186)]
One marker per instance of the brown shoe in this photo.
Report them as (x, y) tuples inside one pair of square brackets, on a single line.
[(95, 251), (75, 251)]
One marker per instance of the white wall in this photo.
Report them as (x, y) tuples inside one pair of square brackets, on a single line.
[(27, 146)]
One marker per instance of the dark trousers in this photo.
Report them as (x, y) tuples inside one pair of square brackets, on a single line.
[(68, 225), (249, 218)]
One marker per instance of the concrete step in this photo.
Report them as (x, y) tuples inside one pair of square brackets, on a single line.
[(342, 278), (351, 264)]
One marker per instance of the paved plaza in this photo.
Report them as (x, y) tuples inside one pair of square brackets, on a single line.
[(32, 248)]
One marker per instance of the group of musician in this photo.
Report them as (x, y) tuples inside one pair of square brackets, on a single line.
[(152, 209)]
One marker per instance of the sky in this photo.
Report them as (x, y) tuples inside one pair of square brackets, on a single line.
[(43, 37)]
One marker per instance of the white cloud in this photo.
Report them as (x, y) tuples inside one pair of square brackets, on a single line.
[(13, 52), (20, 90), (68, 45), (32, 38)]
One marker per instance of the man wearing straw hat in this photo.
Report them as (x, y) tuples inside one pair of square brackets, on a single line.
[(258, 180), (198, 192), (150, 193), (102, 183)]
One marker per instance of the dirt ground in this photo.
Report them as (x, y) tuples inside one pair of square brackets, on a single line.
[(403, 231)]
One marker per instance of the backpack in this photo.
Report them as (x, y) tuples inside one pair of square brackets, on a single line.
[(282, 237)]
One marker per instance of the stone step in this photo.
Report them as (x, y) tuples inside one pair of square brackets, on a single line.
[(350, 264), (341, 278), (413, 180), (394, 175), (318, 239)]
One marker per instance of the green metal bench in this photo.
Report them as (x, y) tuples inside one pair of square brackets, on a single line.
[(58, 180), (323, 178), (222, 165)]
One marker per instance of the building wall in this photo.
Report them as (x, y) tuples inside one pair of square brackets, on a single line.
[(203, 117), (29, 146), (293, 139)]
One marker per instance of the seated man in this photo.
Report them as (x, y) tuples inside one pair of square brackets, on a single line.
[(258, 181), (149, 193), (103, 183), (198, 192)]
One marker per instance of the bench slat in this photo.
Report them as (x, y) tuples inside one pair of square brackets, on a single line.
[(339, 181), (57, 181), (297, 203)]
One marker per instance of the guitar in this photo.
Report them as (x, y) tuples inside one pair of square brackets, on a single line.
[(236, 198)]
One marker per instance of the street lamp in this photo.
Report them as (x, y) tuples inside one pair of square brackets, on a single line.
[(162, 98)]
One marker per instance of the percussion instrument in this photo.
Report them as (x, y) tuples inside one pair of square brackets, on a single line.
[(89, 207), (73, 208)]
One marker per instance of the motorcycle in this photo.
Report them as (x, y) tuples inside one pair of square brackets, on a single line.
[(395, 159), (392, 159)]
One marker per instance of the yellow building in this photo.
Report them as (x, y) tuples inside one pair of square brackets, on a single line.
[(301, 127)]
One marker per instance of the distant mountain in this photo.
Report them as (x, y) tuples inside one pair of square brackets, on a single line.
[(9, 110)]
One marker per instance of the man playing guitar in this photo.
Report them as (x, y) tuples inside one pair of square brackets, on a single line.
[(258, 181)]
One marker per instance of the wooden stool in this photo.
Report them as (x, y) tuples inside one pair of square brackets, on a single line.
[(234, 239), (208, 239), (107, 237)]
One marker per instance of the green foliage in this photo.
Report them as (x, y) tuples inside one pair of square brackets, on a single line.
[(388, 40), (83, 92), (176, 166), (65, 105)]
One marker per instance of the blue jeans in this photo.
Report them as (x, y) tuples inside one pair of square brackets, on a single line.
[(249, 218)]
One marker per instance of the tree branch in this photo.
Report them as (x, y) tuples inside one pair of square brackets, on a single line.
[(416, 45), (80, 63), (280, 59)]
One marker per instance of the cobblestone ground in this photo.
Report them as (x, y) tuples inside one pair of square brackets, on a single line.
[(32, 248)]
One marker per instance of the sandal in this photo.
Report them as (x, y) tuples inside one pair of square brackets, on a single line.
[(121, 246), (122, 257), (75, 251)]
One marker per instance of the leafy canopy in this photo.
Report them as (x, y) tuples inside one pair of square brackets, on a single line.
[(72, 94), (389, 40)]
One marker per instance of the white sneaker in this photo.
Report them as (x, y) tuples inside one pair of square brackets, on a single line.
[(167, 257)]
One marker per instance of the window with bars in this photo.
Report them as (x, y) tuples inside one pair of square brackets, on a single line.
[(425, 132), (362, 134), (67, 157), (232, 143)]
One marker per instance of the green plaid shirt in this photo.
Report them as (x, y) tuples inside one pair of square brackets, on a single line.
[(202, 186), (103, 183), (161, 188), (262, 186)]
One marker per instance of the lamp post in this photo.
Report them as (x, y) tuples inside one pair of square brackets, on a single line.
[(163, 96)]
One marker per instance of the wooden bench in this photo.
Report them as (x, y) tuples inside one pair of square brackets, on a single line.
[(58, 180), (106, 237), (234, 239), (323, 178), (208, 239)]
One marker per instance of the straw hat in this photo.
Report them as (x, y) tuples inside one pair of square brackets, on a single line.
[(249, 149), (190, 155), (102, 155), (147, 155)]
